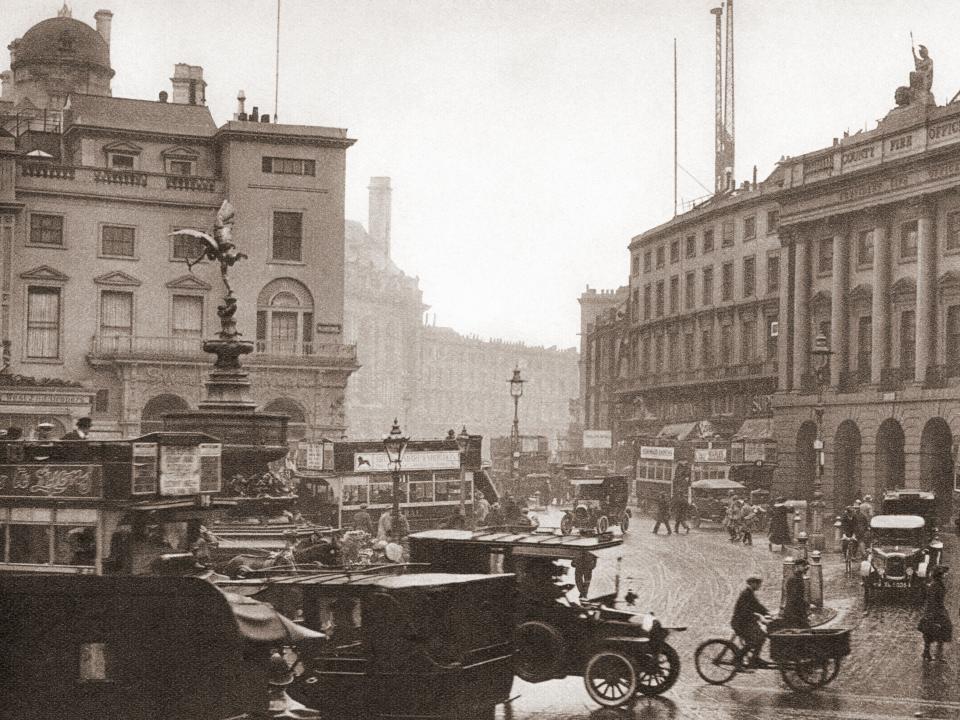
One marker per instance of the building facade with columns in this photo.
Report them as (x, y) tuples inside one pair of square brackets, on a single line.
[(97, 299), (870, 229)]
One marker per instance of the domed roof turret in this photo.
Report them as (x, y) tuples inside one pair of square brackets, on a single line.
[(62, 40)]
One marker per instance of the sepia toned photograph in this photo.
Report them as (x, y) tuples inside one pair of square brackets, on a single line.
[(479, 360)]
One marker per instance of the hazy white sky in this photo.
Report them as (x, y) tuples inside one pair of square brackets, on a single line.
[(528, 141)]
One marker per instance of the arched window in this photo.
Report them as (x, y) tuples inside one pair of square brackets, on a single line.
[(151, 419), (296, 422), (285, 318)]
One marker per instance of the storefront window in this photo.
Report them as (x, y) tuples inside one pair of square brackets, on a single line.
[(355, 491), (421, 492), (76, 545), (710, 472), (382, 493), (30, 544), (448, 490)]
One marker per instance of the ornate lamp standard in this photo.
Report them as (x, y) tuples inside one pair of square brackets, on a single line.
[(395, 444), (463, 440), (821, 353), (516, 391)]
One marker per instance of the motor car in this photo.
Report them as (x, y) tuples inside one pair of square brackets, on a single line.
[(709, 499), (562, 628), (413, 645), (599, 502), (912, 502), (900, 556)]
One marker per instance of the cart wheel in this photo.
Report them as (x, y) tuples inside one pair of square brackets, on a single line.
[(602, 524), (806, 674), (539, 651), (657, 672), (610, 678), (566, 524), (717, 661), (624, 521), (833, 669)]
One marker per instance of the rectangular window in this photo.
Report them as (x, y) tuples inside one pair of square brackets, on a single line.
[(122, 161), (749, 228), (825, 255), (675, 294), (726, 345), (187, 316), (748, 341), (186, 247), (675, 251), (116, 313), (773, 273), (43, 322), (46, 229), (289, 166), (691, 246), (658, 354), (660, 257), (635, 305), (660, 299), (707, 241), (953, 231), (688, 357), (953, 336), (179, 167), (674, 351), (706, 348), (727, 236), (865, 247), (101, 403), (773, 332), (646, 302), (908, 240), (635, 265), (689, 290), (749, 276), (287, 235), (864, 344), (117, 241), (908, 340), (726, 282), (647, 261), (773, 220), (645, 357), (707, 286)]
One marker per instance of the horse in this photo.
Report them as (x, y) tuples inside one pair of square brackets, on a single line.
[(313, 550)]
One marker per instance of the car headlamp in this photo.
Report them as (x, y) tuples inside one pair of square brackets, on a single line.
[(647, 621)]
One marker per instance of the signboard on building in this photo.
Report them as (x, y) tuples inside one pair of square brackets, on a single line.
[(597, 439), (179, 470), (66, 482), (143, 480), (310, 455), (656, 452), (210, 454), (710, 455), (414, 460)]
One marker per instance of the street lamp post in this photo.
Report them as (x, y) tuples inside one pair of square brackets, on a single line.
[(516, 391), (395, 444), (463, 441), (821, 352)]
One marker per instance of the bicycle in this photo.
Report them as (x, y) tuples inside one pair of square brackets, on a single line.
[(807, 659), (849, 547)]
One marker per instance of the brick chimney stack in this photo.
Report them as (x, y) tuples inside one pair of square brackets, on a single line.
[(378, 214), (104, 18), (189, 87)]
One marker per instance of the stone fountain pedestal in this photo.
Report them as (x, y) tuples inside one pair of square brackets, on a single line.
[(250, 439)]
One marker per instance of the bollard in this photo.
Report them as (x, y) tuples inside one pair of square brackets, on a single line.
[(815, 580), (802, 538), (836, 534), (796, 523), (787, 574)]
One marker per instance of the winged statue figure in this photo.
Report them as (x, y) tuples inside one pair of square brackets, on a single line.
[(219, 246)]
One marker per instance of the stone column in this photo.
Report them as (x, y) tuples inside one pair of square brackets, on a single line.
[(801, 313), (926, 290), (784, 340), (880, 308), (839, 337)]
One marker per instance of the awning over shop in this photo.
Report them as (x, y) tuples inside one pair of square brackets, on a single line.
[(687, 431), (755, 429)]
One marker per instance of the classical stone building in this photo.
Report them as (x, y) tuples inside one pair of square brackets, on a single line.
[(96, 291), (383, 317), (870, 228)]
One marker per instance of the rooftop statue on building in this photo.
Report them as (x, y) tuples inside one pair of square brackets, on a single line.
[(921, 79), (219, 247)]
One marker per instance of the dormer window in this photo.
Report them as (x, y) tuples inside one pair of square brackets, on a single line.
[(180, 161), (122, 161), (179, 167), (122, 156)]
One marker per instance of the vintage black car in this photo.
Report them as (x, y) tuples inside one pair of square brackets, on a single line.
[(138, 648), (912, 502), (599, 503), (620, 654), (415, 645), (900, 555)]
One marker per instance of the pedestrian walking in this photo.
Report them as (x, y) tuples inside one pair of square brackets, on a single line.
[(935, 622), (796, 609), (866, 507), (363, 521), (748, 518), (779, 526), (663, 513), (681, 511), (481, 509), (861, 531)]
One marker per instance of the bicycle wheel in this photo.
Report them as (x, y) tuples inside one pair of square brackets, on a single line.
[(806, 674), (717, 661)]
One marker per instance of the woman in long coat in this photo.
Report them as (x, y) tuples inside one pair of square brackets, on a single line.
[(779, 526), (935, 622)]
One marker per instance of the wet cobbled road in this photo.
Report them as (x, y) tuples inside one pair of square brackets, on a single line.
[(693, 580)]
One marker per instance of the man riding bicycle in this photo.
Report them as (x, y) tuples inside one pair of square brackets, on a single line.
[(745, 622)]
